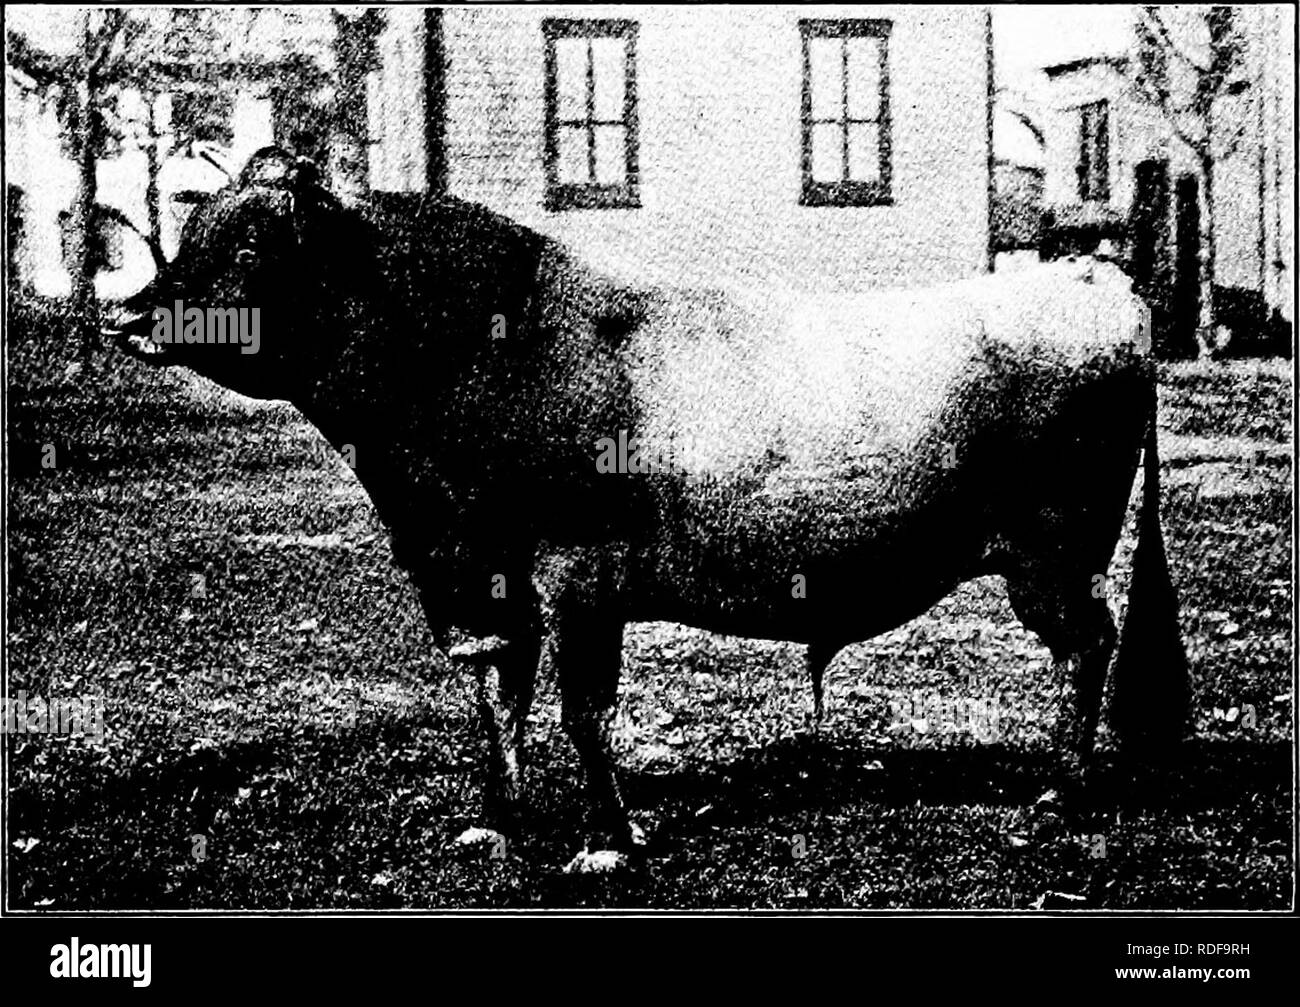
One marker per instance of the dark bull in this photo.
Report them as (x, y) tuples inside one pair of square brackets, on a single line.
[(836, 468)]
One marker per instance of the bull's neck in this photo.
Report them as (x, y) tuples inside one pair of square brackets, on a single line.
[(399, 373)]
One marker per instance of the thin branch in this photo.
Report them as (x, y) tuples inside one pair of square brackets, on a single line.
[(1174, 115), (1029, 124), (1236, 140), (102, 40), (41, 67), (1200, 145), (1153, 15)]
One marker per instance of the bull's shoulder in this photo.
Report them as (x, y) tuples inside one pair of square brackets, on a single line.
[(459, 236), (572, 295)]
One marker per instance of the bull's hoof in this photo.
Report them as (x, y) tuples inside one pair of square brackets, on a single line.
[(598, 862), (608, 854), (476, 835), (478, 649)]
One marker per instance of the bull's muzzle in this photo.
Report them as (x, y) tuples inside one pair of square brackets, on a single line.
[(129, 325)]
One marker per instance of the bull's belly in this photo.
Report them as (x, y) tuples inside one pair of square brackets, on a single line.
[(827, 560), (860, 611)]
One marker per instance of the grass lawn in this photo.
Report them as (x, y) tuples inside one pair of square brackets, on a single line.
[(279, 732)]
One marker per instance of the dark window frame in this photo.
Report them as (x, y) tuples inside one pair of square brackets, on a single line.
[(847, 192), (591, 195), (1094, 152)]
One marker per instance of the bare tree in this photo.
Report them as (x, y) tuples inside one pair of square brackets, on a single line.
[(1185, 70), (197, 56), (77, 83)]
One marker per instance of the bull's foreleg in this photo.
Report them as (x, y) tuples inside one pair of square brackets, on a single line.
[(583, 632), (504, 674), (586, 656)]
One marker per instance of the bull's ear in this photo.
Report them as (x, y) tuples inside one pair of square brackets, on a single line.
[(269, 166)]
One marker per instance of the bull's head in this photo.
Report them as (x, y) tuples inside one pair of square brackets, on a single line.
[(240, 301)]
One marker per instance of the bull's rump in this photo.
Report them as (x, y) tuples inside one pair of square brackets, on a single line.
[(864, 444)]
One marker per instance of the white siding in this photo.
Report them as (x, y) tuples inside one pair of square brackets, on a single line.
[(395, 102), (719, 96)]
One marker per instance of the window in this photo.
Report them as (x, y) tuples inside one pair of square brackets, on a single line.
[(591, 114), (845, 157), (1094, 153)]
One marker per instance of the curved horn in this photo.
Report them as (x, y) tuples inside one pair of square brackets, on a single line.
[(216, 164)]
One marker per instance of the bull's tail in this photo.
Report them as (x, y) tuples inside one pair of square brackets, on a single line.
[(1152, 690)]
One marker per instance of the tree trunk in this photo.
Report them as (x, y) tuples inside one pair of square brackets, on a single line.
[(152, 200), (81, 236), (1205, 335)]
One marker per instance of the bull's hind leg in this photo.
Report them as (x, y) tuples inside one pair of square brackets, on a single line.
[(1078, 629), (1059, 556)]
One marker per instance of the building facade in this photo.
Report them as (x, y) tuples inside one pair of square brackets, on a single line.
[(1107, 148), (799, 148), (808, 148)]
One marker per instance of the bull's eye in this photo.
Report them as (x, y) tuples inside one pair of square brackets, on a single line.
[(246, 256)]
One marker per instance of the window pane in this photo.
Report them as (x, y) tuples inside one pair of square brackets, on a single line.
[(827, 153), (825, 57), (864, 78), (571, 77), (572, 144), (864, 152), (611, 155), (609, 57)]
